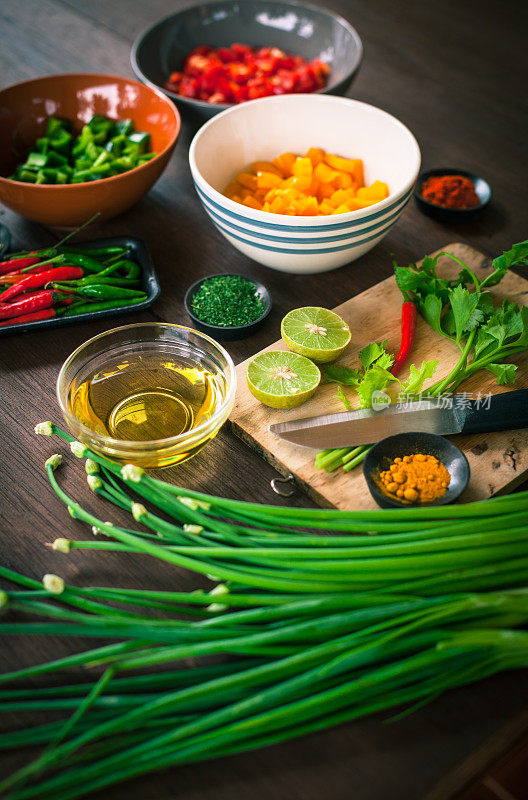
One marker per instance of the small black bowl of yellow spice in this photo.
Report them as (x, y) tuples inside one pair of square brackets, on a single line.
[(415, 469)]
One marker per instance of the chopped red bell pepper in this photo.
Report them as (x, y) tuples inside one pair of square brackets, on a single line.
[(239, 73)]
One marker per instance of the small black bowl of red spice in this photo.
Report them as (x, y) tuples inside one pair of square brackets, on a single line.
[(451, 195), (228, 306)]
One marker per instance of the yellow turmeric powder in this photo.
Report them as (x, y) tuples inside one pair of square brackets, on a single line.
[(418, 478)]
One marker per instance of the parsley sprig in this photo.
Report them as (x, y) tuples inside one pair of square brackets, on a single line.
[(463, 310)]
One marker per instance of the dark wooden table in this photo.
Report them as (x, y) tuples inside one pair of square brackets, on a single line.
[(449, 70)]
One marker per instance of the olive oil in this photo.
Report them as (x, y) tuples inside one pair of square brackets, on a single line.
[(147, 396)]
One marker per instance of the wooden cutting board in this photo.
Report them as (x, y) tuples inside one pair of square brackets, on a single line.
[(499, 461)]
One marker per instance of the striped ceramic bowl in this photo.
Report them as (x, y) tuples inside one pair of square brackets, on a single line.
[(263, 129)]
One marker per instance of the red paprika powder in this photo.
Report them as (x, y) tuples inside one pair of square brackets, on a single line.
[(450, 191)]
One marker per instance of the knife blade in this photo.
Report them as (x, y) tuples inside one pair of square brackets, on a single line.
[(443, 416)]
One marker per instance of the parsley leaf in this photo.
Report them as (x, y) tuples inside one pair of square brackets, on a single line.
[(431, 309), (523, 338), (376, 363), (463, 304), (337, 373), (376, 378), (422, 281), (516, 256), (505, 373), (490, 334), (341, 396), (376, 352), (418, 376)]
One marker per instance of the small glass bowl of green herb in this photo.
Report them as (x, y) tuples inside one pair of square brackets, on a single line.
[(228, 306)]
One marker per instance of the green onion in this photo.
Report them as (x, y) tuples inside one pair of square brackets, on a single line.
[(380, 610)]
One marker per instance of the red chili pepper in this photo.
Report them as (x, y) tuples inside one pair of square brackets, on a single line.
[(408, 329), (41, 279), (16, 264), (33, 301), (16, 277), (45, 313)]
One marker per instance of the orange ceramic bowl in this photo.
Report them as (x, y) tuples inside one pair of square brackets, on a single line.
[(24, 109)]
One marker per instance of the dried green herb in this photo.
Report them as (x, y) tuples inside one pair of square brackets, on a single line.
[(227, 301)]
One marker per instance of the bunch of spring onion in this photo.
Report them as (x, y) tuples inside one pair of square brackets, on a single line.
[(320, 629)]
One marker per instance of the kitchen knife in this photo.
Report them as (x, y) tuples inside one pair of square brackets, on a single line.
[(445, 416)]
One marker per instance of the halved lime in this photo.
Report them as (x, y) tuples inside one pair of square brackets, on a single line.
[(281, 379), (316, 333)]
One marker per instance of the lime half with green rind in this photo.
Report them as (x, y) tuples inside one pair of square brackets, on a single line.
[(282, 379), (317, 333)]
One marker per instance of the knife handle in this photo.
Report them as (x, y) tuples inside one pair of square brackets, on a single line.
[(498, 412)]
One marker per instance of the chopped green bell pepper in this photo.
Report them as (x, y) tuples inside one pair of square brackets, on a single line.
[(103, 148)]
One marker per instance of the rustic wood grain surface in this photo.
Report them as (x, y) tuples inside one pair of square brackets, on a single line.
[(449, 70)]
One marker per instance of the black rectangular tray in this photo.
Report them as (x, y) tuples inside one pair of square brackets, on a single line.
[(149, 284)]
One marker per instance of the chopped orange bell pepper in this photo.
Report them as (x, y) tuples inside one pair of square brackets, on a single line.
[(278, 206), (340, 196), (284, 163), (315, 184), (252, 203), (376, 192), (302, 167), (352, 165), (326, 190), (301, 182), (324, 174), (248, 180), (265, 166), (232, 189), (310, 207), (267, 180), (343, 181), (316, 155), (326, 208)]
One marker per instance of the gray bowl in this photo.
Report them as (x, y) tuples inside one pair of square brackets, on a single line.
[(297, 28)]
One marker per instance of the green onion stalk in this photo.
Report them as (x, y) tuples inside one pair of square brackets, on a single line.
[(315, 618)]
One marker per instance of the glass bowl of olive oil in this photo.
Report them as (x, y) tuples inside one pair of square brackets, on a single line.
[(151, 394)]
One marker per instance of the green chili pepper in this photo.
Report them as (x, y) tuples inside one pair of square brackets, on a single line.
[(95, 252), (110, 270), (75, 260), (84, 308), (130, 268), (100, 291), (107, 280)]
